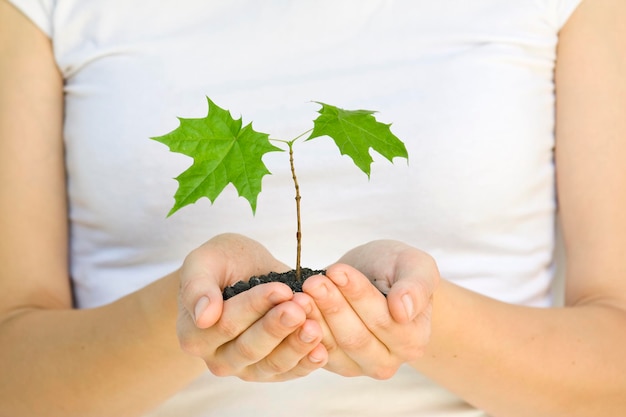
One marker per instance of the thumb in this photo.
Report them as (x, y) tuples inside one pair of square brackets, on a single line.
[(218, 263), (415, 280), (200, 294)]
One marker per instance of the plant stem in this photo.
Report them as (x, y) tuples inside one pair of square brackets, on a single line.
[(299, 225), (298, 198)]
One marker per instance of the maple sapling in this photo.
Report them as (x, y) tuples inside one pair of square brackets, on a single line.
[(225, 153)]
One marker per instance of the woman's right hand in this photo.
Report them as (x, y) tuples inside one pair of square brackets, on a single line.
[(262, 334)]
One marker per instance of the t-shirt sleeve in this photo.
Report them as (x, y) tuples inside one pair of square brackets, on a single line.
[(564, 9), (38, 11)]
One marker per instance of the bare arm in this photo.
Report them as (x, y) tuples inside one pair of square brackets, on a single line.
[(516, 361), (512, 360), (115, 360), (123, 358)]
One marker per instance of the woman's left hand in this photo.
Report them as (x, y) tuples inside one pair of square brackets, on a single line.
[(365, 332)]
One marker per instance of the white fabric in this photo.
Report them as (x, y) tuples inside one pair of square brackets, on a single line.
[(468, 86)]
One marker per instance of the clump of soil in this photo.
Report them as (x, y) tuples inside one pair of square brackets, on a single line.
[(288, 278)]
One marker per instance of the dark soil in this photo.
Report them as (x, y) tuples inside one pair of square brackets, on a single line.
[(288, 278)]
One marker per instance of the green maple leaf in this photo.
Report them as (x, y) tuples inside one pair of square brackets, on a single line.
[(355, 132), (223, 153)]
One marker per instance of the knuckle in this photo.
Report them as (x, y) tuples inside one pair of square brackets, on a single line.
[(330, 307), (382, 321), (276, 332), (228, 328), (283, 320), (354, 341), (246, 351), (272, 367)]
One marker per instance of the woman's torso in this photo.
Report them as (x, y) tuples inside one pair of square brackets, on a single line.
[(467, 85)]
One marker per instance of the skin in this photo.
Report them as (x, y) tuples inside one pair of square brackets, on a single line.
[(106, 356), (365, 332), (522, 361), (527, 361), (398, 337), (263, 334)]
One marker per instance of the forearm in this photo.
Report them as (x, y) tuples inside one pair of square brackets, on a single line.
[(120, 359), (519, 361)]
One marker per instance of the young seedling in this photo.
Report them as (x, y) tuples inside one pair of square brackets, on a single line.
[(225, 153)]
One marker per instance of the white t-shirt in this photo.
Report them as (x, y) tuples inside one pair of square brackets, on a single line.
[(468, 85)]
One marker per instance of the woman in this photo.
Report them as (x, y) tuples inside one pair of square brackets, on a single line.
[(89, 310)]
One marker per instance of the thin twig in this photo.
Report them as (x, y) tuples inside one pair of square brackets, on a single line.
[(299, 226), (298, 217)]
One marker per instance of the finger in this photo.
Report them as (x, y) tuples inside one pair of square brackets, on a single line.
[(247, 308), (413, 285), (313, 313), (263, 336), (408, 276), (365, 299), (220, 262), (408, 299), (297, 355), (351, 334), (238, 314), (338, 361), (201, 287), (403, 340)]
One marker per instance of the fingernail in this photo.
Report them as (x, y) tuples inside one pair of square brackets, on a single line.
[(201, 306), (408, 306), (288, 320), (314, 359), (276, 298), (321, 291), (306, 337), (340, 279)]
